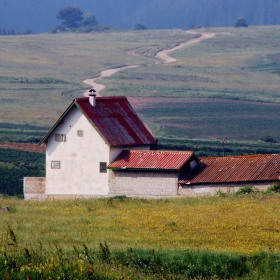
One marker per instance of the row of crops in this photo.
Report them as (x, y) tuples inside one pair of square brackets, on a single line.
[(16, 164)]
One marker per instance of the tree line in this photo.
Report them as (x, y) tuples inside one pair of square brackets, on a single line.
[(11, 31)]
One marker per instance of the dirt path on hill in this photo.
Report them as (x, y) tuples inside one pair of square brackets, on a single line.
[(160, 57), (163, 55), (103, 74)]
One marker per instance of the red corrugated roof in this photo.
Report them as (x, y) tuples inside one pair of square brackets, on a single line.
[(160, 160), (114, 119), (234, 169)]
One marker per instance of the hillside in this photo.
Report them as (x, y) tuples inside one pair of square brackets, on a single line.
[(40, 15), (225, 86)]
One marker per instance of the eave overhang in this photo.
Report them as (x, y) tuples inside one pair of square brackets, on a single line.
[(142, 169)]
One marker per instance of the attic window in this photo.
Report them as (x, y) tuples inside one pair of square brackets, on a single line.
[(80, 133), (60, 137), (102, 167), (55, 164)]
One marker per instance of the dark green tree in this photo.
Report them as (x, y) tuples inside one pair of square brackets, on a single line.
[(90, 20), (70, 16), (139, 26), (193, 26), (241, 22)]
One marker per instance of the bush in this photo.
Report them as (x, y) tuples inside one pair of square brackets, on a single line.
[(58, 28), (246, 190), (268, 139), (241, 22), (139, 26), (221, 193), (275, 188)]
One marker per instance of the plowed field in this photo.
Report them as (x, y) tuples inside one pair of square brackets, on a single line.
[(24, 147)]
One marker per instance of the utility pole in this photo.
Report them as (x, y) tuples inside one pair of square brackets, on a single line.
[(223, 145)]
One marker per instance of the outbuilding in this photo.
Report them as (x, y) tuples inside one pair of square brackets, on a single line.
[(149, 173), (228, 174)]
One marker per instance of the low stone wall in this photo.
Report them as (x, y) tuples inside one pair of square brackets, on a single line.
[(143, 183), (212, 189), (34, 187)]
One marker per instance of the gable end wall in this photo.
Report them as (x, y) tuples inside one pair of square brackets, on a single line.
[(79, 158)]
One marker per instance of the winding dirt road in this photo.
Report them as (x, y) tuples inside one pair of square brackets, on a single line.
[(103, 74), (161, 57)]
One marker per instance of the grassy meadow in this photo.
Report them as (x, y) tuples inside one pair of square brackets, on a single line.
[(234, 237)]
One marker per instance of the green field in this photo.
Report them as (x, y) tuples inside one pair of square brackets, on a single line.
[(220, 237), (16, 164), (227, 86)]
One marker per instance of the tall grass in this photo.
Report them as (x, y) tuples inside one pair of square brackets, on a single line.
[(36, 258), (243, 225), (31, 261)]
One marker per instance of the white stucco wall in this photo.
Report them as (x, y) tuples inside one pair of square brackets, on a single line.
[(143, 183), (79, 158)]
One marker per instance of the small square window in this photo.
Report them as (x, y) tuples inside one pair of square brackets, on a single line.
[(103, 167), (80, 133), (55, 164), (60, 137)]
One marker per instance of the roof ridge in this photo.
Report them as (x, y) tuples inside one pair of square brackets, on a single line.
[(239, 156), (102, 98), (156, 151)]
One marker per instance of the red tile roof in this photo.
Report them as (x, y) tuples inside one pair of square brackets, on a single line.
[(152, 160), (114, 119), (234, 169)]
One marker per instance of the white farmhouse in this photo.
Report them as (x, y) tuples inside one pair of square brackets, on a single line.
[(89, 134)]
